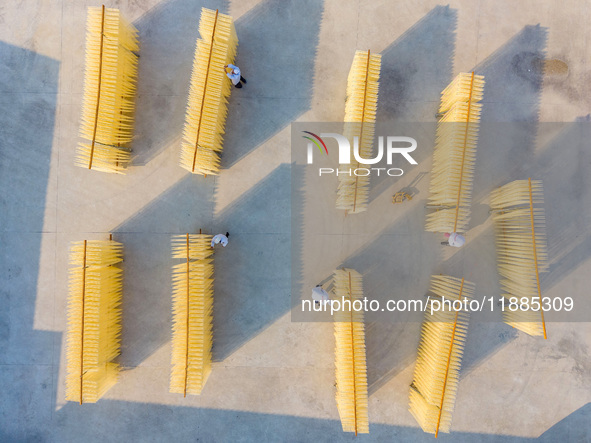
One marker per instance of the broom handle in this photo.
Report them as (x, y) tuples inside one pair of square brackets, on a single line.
[(82, 329), (204, 90), (533, 237), (451, 345), (464, 152), (361, 131), (353, 356), (98, 95)]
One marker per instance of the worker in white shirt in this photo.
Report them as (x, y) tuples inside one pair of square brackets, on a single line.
[(320, 296), (220, 238), (233, 72), (454, 239)]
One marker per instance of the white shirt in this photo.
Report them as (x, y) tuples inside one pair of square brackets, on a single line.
[(220, 238), (319, 294), (234, 74), (456, 240)]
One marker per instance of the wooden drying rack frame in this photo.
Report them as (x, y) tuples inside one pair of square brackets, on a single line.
[(98, 96), (535, 250), (215, 23), (361, 137), (82, 317), (457, 205)]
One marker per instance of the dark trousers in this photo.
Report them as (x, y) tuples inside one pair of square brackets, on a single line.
[(239, 85)]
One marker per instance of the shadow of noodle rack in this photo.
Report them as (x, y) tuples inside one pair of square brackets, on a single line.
[(518, 215), (192, 310), (360, 117), (109, 92), (454, 154), (94, 319), (439, 357), (207, 104), (350, 360)]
